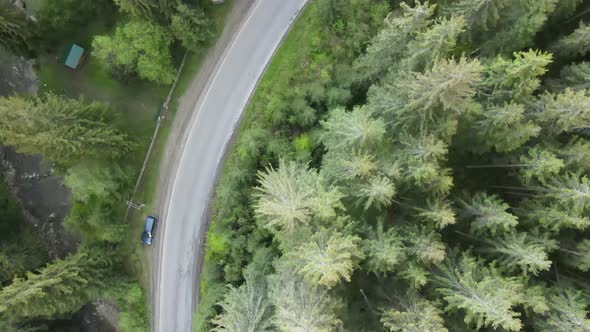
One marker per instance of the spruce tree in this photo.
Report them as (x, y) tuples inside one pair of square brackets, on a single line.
[(299, 306), (504, 128), (246, 308), (384, 249), (62, 130), (567, 311), (14, 28), (61, 287), (486, 297), (562, 112), (411, 313), (328, 258), (400, 28), (488, 213), (519, 251), (434, 44), (575, 44), (355, 129), (540, 164), (507, 81)]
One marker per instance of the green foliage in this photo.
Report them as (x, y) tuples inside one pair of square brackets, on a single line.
[(299, 306), (354, 129), (413, 314), (133, 315), (191, 26), (246, 308), (138, 47), (488, 214), (582, 255), (291, 195), (567, 311), (15, 33), (384, 250), (563, 112), (138, 8), (504, 128), (61, 287), (486, 297), (91, 178), (575, 44), (541, 165), (523, 252), (328, 258), (62, 130)]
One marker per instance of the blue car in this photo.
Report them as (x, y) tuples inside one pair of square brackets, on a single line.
[(148, 230)]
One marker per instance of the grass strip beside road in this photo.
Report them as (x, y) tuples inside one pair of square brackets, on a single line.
[(277, 79)]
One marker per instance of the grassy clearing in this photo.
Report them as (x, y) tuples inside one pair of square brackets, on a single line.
[(285, 65)]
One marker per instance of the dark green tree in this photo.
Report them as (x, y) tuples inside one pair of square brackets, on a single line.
[(15, 32), (191, 26), (62, 130)]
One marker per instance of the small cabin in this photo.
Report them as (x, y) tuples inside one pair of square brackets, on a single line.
[(74, 57)]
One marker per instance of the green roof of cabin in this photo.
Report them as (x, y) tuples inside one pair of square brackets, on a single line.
[(74, 56)]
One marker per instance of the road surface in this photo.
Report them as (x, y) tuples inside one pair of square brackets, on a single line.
[(218, 110)]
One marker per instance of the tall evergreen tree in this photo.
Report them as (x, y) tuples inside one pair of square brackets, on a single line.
[(246, 308), (507, 81), (289, 196), (434, 44), (384, 249), (14, 28), (575, 44), (328, 258), (400, 28), (429, 101), (504, 128), (488, 213), (61, 287), (413, 314), (519, 251), (486, 297), (354, 129), (562, 112), (299, 306), (567, 311), (62, 130)]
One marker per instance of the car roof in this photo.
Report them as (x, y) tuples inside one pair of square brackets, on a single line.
[(149, 222)]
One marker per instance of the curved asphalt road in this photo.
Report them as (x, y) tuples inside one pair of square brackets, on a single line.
[(218, 111)]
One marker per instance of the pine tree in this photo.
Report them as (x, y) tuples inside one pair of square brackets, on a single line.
[(246, 308), (14, 28), (521, 22), (519, 251), (91, 178), (291, 195), (434, 44), (508, 81), (61, 287), (504, 128), (575, 44), (480, 15), (400, 27), (429, 101), (437, 211), (575, 154), (570, 191), (328, 258), (377, 192), (144, 9), (413, 314), (62, 130), (554, 216), (486, 297), (488, 214), (299, 306), (562, 112), (356, 129), (567, 311), (540, 164), (581, 256), (575, 76), (424, 244), (384, 249), (344, 165)]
